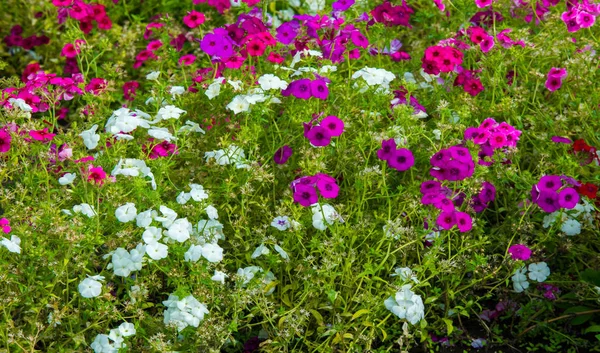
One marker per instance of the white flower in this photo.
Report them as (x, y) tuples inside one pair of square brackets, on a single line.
[(214, 88), (152, 235), (406, 305), (67, 179), (270, 81), (90, 288), (169, 112), (324, 214), (84, 209), (405, 274), (212, 212), (179, 230), (198, 193), (157, 251), (571, 227), (101, 344), (327, 69), (281, 252), (246, 274), (219, 277), (538, 271), (281, 222), (168, 216), (126, 329), (550, 219), (126, 213), (183, 198), (191, 126), (153, 75), (237, 85), (177, 90), (185, 312), (260, 250), (212, 252), (12, 245), (193, 254), (210, 230), (90, 137), (144, 219), (20, 103), (238, 104), (161, 133), (519, 279)]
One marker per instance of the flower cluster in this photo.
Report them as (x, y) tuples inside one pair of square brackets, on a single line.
[(406, 305), (306, 88), (580, 15), (231, 155), (537, 272), (555, 78), (492, 136), (183, 313), (551, 195), (571, 221), (400, 159), (374, 77), (305, 188), (453, 164), (441, 59), (519, 252), (84, 13), (320, 133), (115, 340)]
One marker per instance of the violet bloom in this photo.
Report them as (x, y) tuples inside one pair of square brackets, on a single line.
[(333, 124), (519, 252), (5, 139), (388, 147), (558, 72), (287, 32), (549, 183), (430, 198), (446, 220), (461, 154), (305, 195), (318, 136), (553, 83), (300, 89), (568, 198), (430, 186), (477, 204), (441, 158), (342, 5), (319, 89), (328, 189), (488, 193), (444, 204), (560, 139), (463, 221), (548, 201), (283, 154), (402, 159)]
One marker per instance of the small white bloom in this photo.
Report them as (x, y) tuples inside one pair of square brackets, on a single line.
[(161, 133), (169, 112), (198, 193), (519, 279), (238, 104), (179, 230), (144, 219), (214, 88), (20, 103), (406, 305), (281, 222), (126, 329), (157, 251), (176, 91), (67, 179), (90, 288), (405, 274), (126, 213), (90, 137), (248, 273), (219, 277), (191, 126), (571, 227), (281, 252), (84, 209), (168, 216), (212, 252), (152, 235), (183, 198), (212, 212), (193, 254), (12, 245), (270, 81), (153, 75), (237, 85), (260, 250), (538, 271)]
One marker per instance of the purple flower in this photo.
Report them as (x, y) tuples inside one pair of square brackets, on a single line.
[(429, 186), (568, 198), (319, 89), (328, 189), (217, 44), (548, 201), (287, 32), (444, 204), (402, 159), (318, 136), (283, 154), (441, 158), (463, 221), (300, 89), (488, 193), (549, 183), (446, 220), (559, 139), (388, 147), (342, 5), (430, 198), (305, 195), (477, 204), (333, 124), (519, 252), (359, 39)]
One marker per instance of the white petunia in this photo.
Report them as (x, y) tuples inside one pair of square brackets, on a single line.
[(153, 75), (126, 213), (219, 277), (176, 91), (212, 212), (214, 89), (169, 112), (571, 227), (281, 222), (238, 104), (126, 329), (193, 254), (406, 305), (405, 274), (198, 193), (183, 198), (84, 209), (192, 127), (281, 252), (324, 214), (144, 219), (179, 230), (152, 235), (102, 344), (67, 179), (167, 218), (90, 288), (12, 245), (161, 133), (212, 252), (157, 251), (260, 250), (248, 273), (538, 271), (519, 279), (90, 137), (270, 81), (237, 85), (21, 104)]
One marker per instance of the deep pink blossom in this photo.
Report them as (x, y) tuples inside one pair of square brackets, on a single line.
[(519, 252)]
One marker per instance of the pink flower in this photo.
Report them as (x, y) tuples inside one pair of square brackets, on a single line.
[(41, 135), (187, 59), (519, 252), (96, 86), (333, 124), (328, 189), (5, 139), (483, 3), (69, 51), (5, 225), (96, 174), (318, 136), (463, 222), (154, 45), (194, 19), (446, 220), (305, 195)]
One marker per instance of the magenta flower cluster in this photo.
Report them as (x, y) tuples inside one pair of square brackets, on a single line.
[(400, 159), (320, 135), (306, 88), (555, 78), (305, 188), (453, 164), (550, 194), (580, 15), (519, 252), (492, 136), (439, 196)]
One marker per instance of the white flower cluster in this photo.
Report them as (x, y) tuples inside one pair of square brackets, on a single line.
[(197, 193), (242, 102), (324, 214), (214, 89), (269, 81), (124, 262), (183, 313), (406, 305), (537, 272), (13, 244), (91, 287), (262, 249), (373, 77), (123, 121), (115, 340), (230, 155), (83, 208), (134, 167), (570, 225), (248, 273)]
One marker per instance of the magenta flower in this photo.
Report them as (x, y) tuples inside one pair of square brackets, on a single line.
[(483, 3), (342, 5), (283, 154), (193, 19), (430, 187), (560, 139), (5, 139), (446, 220), (96, 86), (553, 83), (388, 147), (287, 32), (444, 204), (402, 159), (305, 195), (300, 89), (333, 124), (318, 136), (187, 59), (487, 44), (463, 221), (548, 201), (328, 189), (558, 72), (41, 135), (519, 252), (5, 225), (96, 175), (568, 198), (488, 193), (549, 183), (497, 140), (319, 89)]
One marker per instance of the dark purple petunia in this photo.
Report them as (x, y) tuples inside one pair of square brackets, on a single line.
[(318, 136), (548, 201), (549, 183), (283, 154), (305, 195), (430, 186), (402, 159), (568, 198), (388, 147), (488, 192)]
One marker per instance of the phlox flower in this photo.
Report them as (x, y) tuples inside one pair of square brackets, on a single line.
[(333, 124), (193, 19), (187, 59), (446, 220), (84, 209), (5, 140), (281, 223), (260, 250), (282, 154), (90, 287), (568, 198), (300, 89), (239, 104), (169, 112), (219, 277), (270, 81), (179, 230), (305, 195), (41, 135), (519, 279), (153, 76), (5, 225), (519, 252), (284, 255), (538, 271), (90, 137), (157, 251), (318, 136), (324, 214), (96, 86), (183, 313), (407, 305), (388, 147), (571, 227), (402, 159), (13, 244)]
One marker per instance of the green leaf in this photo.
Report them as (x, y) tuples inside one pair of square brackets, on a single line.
[(594, 328), (581, 319), (577, 309), (449, 326), (359, 313), (591, 276)]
